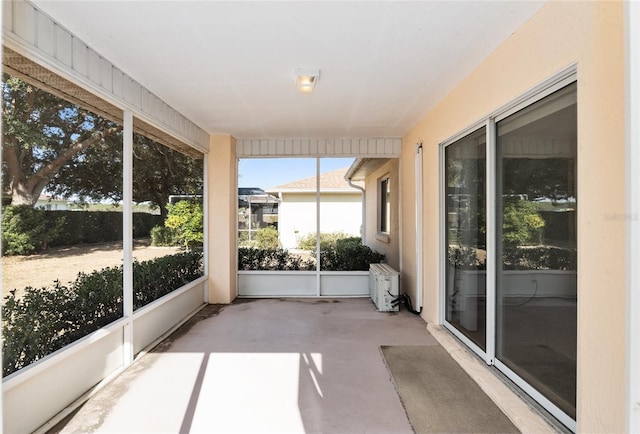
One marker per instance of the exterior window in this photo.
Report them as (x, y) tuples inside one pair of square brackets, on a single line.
[(385, 206)]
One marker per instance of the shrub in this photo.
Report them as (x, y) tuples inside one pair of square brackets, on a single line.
[(347, 242), (539, 258), (155, 278), (143, 223), (243, 239), (340, 253), (162, 236), (250, 258), (33, 326), (267, 238), (327, 240), (46, 319), (517, 258), (466, 258), (186, 218), (349, 254), (25, 230), (97, 300)]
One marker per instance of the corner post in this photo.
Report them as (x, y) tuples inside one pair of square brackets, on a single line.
[(222, 194)]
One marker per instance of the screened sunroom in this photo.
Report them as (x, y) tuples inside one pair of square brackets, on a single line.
[(159, 158)]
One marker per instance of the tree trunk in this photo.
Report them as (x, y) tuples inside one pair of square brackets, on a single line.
[(23, 190), (26, 188), (21, 194), (163, 209)]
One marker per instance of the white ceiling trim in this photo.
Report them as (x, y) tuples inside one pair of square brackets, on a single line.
[(32, 33), (359, 147)]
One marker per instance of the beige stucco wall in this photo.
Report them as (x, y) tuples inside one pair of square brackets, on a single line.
[(223, 208), (389, 246), (589, 34)]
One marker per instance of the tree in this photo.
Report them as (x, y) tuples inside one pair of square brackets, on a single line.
[(41, 134), (95, 175), (522, 224), (552, 178), (52, 145), (159, 171), (186, 219)]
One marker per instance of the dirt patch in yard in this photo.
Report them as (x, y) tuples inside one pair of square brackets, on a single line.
[(64, 263)]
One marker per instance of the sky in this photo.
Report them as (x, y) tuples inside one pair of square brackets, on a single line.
[(269, 172)]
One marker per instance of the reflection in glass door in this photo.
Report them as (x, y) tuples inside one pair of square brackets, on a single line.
[(536, 291), (465, 222)]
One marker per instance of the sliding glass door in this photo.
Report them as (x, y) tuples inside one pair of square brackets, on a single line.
[(536, 204), (520, 312), (465, 222)]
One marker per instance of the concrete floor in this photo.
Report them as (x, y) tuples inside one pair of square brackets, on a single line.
[(262, 366)]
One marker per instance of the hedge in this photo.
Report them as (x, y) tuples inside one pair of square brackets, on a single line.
[(346, 254), (328, 240), (158, 277), (43, 320), (517, 258), (26, 230), (251, 258), (540, 258), (98, 226)]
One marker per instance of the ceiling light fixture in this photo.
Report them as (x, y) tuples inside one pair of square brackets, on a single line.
[(306, 79)]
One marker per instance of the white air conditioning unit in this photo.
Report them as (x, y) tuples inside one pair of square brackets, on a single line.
[(383, 287)]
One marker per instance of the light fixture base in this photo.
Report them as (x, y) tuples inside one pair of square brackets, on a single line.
[(306, 79)]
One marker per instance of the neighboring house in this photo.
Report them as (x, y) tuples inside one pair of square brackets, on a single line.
[(256, 210), (340, 207), (381, 227), (51, 203)]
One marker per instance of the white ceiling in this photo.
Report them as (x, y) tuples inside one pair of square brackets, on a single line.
[(228, 66)]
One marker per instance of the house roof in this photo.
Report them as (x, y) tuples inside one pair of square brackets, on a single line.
[(363, 167), (333, 181)]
